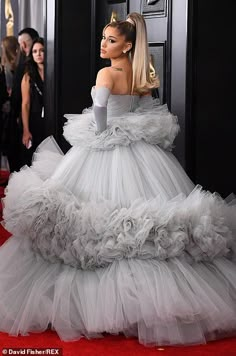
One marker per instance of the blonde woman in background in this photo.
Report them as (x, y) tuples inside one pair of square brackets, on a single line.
[(10, 57), (10, 51)]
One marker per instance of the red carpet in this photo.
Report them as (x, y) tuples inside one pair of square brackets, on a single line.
[(114, 346), (4, 235), (3, 177), (109, 345)]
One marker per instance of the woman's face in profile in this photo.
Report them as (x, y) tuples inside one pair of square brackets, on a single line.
[(38, 53), (112, 44)]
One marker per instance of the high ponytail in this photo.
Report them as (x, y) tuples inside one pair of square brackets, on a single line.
[(143, 81)]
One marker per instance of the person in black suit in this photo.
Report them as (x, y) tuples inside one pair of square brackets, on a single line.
[(25, 39)]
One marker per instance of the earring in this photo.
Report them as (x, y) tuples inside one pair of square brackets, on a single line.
[(124, 51)]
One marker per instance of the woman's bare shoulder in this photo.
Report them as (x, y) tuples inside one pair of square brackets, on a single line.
[(26, 78), (105, 78)]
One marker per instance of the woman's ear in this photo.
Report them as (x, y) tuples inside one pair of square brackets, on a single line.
[(128, 46)]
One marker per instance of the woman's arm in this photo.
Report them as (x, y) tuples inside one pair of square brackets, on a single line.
[(25, 109), (104, 85)]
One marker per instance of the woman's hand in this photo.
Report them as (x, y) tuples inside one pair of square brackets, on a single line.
[(26, 138)]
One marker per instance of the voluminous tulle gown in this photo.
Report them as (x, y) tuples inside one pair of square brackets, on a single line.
[(114, 237)]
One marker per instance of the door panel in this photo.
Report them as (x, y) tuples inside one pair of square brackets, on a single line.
[(167, 27)]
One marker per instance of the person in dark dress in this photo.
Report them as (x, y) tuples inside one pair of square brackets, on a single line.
[(3, 91), (3, 99), (3, 87), (32, 109), (25, 39)]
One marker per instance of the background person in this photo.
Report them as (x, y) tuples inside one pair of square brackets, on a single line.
[(3, 99), (10, 57), (32, 101), (25, 39)]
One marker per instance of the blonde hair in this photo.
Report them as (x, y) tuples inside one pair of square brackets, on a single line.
[(143, 80), (10, 52), (134, 30)]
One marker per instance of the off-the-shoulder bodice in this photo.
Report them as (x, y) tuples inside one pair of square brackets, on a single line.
[(131, 118), (119, 104)]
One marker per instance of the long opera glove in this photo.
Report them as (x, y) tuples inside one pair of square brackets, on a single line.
[(100, 108)]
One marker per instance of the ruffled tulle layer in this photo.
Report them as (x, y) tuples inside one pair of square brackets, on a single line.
[(150, 122), (88, 235), (160, 302)]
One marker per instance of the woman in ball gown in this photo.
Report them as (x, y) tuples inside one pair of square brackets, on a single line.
[(113, 236)]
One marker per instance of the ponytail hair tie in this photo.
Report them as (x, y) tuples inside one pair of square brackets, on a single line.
[(130, 21)]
